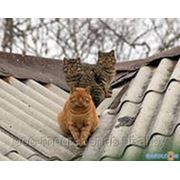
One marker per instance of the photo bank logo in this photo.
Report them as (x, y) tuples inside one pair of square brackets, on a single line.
[(170, 156)]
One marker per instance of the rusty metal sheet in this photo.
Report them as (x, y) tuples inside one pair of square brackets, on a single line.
[(30, 67), (48, 70)]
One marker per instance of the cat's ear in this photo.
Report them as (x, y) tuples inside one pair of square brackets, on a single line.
[(88, 89), (100, 54), (65, 61), (79, 60), (112, 53)]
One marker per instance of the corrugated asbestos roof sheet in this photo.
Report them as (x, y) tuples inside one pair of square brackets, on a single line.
[(141, 117), (146, 120), (28, 127), (28, 111)]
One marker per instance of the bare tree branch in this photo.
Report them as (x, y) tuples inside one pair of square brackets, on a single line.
[(131, 38)]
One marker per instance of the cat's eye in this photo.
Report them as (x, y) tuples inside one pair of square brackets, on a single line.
[(73, 99), (87, 99)]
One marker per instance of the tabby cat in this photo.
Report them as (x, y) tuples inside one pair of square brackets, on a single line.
[(79, 117), (72, 70), (98, 76), (105, 71)]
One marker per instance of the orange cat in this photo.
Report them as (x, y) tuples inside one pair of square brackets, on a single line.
[(79, 117)]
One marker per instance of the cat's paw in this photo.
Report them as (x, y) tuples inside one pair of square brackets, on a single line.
[(109, 93), (81, 144)]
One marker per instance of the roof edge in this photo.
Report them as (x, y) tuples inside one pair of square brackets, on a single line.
[(137, 63), (45, 70), (48, 70)]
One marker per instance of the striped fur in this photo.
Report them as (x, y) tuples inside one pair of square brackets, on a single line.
[(98, 76)]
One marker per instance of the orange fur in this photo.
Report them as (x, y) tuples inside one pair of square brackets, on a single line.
[(79, 117)]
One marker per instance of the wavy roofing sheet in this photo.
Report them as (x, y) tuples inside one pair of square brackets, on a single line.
[(145, 117), (28, 121), (150, 109), (28, 124)]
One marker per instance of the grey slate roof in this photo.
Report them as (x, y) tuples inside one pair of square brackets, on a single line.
[(141, 117)]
